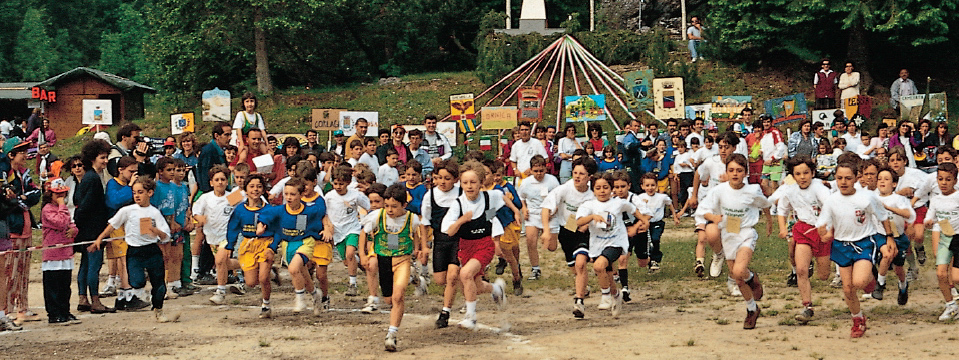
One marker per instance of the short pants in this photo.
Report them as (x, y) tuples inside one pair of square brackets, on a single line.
[(612, 254), (350, 240), (902, 245), (479, 249), (322, 253), (774, 172), (116, 249), (445, 254), (806, 234), (254, 251), (920, 215), (846, 253), (732, 242), (573, 244), (510, 238), (394, 271), (536, 220)]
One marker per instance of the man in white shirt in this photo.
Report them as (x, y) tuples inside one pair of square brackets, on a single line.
[(524, 149), (5, 127), (436, 144)]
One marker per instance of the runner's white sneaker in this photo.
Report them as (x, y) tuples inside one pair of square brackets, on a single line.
[(716, 267), (950, 312), (605, 302), (617, 306), (299, 304), (468, 323), (218, 298), (499, 292), (733, 287), (370, 307), (390, 341)]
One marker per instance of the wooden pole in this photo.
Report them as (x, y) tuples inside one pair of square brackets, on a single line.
[(592, 15), (682, 6)]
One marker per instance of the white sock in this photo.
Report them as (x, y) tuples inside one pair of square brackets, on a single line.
[(195, 266), (604, 291), (112, 280), (881, 279), (751, 274), (170, 285), (794, 269), (373, 299), (221, 289), (177, 283), (317, 293), (446, 309), (751, 305), (393, 329), (859, 315), (352, 280), (129, 294), (470, 309), (953, 302), (902, 284), (266, 303)]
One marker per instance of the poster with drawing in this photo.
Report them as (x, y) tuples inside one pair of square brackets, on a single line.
[(180, 123), (530, 100), (728, 108), (97, 112), (216, 105), (639, 83), (787, 109), (825, 117), (669, 100), (861, 105), (348, 122), (702, 111), (911, 106), (584, 108)]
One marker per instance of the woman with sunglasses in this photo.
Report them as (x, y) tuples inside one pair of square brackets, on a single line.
[(396, 142)]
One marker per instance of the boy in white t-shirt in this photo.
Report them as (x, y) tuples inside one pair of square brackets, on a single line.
[(212, 211), (144, 227), (647, 251), (345, 207), (532, 192), (943, 219), (900, 214), (608, 236), (388, 174)]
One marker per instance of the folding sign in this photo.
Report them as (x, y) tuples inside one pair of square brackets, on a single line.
[(462, 110), (530, 103)]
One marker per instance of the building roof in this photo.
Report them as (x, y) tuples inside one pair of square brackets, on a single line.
[(16, 90), (119, 82)]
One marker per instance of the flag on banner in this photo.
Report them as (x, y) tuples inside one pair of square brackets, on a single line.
[(467, 125)]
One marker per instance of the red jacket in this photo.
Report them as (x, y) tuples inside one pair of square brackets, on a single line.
[(826, 85), (56, 222)]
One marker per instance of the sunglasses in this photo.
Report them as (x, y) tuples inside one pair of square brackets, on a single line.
[(77, 165)]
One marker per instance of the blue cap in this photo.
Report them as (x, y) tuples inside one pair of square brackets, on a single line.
[(337, 132)]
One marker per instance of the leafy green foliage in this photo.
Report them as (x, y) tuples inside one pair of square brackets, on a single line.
[(34, 55)]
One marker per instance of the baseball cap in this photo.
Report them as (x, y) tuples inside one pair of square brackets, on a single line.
[(337, 132), (13, 143), (169, 143)]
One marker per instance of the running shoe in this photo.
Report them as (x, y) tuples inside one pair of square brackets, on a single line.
[(266, 313), (700, 269), (371, 307), (751, 317), (877, 294), (351, 290), (218, 298), (501, 266), (605, 303), (499, 292), (836, 282), (950, 312), (468, 323), (444, 320), (921, 254), (733, 287), (391, 341), (317, 303), (653, 267), (625, 292), (858, 327), (805, 316), (517, 288), (163, 318), (579, 309), (299, 304), (792, 280), (535, 274), (716, 266), (421, 286), (238, 289), (108, 291), (617, 306), (8, 325), (136, 304)]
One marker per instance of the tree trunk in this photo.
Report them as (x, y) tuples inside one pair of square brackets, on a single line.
[(264, 81), (858, 53)]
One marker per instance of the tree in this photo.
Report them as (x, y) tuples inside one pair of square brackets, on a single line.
[(121, 52), (34, 56)]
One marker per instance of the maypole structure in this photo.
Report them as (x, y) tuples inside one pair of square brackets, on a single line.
[(571, 67)]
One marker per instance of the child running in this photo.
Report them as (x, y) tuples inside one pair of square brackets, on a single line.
[(436, 204), (647, 250), (345, 207), (473, 219), (806, 198), (532, 192), (735, 207), (846, 218), (608, 237), (388, 241), (143, 227), (901, 214), (375, 193), (255, 253), (212, 212), (621, 186), (943, 219)]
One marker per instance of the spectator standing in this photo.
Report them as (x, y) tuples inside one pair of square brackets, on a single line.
[(903, 86), (126, 140), (395, 142), (42, 134), (524, 149), (91, 218), (212, 154), (803, 142), (824, 85), (361, 127), (848, 83), (311, 141), (5, 127), (22, 194), (568, 144), (436, 144)]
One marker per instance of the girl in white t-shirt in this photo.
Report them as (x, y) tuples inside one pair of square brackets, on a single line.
[(608, 235), (245, 120), (846, 221), (735, 207)]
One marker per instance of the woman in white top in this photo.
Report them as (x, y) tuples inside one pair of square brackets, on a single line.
[(848, 83), (567, 145)]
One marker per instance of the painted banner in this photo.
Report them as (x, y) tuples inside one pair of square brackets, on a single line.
[(499, 117), (861, 105), (216, 105), (728, 108), (910, 107), (699, 111), (348, 122), (787, 109), (585, 108), (180, 123), (639, 84), (463, 111), (824, 116), (325, 119), (97, 112), (669, 100), (530, 103)]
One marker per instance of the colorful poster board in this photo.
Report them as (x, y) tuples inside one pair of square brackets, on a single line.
[(530, 100), (463, 111), (728, 108), (910, 107), (699, 111), (499, 117), (584, 108), (348, 122), (669, 100), (325, 119), (180, 123), (97, 112), (823, 116), (216, 105), (787, 109), (861, 105), (639, 84)]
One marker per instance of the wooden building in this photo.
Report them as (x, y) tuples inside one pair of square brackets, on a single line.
[(65, 108)]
